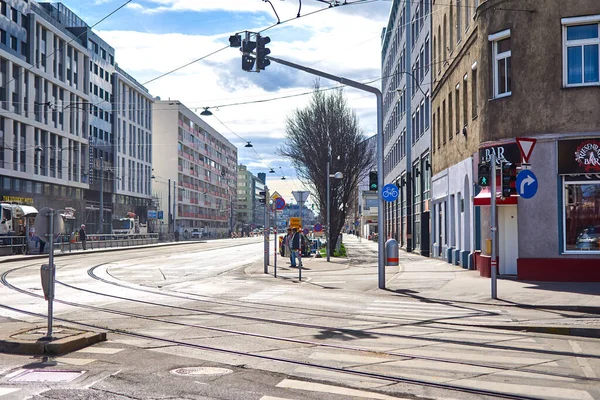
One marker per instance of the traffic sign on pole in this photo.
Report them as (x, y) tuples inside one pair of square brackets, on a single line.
[(389, 192), (527, 184), (526, 146), (279, 203), (318, 227)]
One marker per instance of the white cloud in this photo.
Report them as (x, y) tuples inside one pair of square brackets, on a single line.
[(340, 43)]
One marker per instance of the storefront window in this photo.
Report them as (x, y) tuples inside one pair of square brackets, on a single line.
[(582, 214)]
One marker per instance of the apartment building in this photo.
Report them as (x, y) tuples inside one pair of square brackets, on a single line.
[(132, 130), (406, 70), (499, 85), (201, 166), (44, 132)]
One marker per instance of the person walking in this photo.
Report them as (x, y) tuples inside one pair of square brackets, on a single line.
[(83, 237), (287, 240)]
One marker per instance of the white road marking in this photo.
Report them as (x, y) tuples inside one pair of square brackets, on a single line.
[(543, 392), (75, 361), (4, 391), (583, 363), (348, 358), (99, 350), (319, 387)]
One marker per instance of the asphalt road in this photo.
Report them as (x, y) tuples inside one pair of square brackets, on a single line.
[(191, 322)]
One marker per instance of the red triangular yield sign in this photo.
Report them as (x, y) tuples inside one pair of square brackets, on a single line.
[(526, 146)]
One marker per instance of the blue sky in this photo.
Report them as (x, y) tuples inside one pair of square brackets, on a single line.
[(152, 37)]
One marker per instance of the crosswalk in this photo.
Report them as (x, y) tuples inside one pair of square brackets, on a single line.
[(267, 294), (394, 309)]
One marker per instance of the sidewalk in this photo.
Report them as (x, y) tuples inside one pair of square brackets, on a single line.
[(568, 308)]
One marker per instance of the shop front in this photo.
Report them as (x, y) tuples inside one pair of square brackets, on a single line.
[(561, 223)]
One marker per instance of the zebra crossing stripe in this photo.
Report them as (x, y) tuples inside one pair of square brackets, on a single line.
[(322, 388), (5, 391)]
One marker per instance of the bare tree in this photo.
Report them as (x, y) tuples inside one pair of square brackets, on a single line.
[(328, 129)]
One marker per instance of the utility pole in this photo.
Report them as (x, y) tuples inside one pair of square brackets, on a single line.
[(266, 232), (174, 204), (169, 208), (379, 96), (101, 228), (493, 227), (409, 134)]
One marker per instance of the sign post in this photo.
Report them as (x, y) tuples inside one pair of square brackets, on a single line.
[(493, 227), (279, 204)]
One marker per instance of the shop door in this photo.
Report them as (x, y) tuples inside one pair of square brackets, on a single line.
[(508, 239)]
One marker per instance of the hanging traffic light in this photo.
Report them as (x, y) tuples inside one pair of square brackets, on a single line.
[(247, 48), (484, 175), (373, 181), (262, 52), (235, 40), (509, 177), (247, 62)]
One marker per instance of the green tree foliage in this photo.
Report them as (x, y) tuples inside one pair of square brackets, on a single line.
[(328, 128)]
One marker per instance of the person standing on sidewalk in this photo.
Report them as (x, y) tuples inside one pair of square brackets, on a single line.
[(82, 237), (295, 246)]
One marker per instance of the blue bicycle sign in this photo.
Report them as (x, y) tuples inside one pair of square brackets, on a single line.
[(389, 192)]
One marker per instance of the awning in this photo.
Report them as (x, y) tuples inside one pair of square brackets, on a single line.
[(27, 210), (484, 198)]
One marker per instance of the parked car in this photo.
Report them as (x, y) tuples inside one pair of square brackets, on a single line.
[(589, 238), (196, 233)]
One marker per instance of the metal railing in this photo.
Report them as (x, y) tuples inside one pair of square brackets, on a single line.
[(12, 245), (67, 243)]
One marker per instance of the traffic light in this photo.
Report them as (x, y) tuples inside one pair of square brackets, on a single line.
[(484, 175), (235, 40), (373, 181), (509, 176), (263, 197), (248, 59), (262, 52)]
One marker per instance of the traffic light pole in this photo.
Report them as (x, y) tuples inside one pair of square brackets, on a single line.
[(493, 227), (380, 201), (266, 232)]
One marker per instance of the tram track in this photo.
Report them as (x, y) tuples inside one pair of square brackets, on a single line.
[(390, 378)]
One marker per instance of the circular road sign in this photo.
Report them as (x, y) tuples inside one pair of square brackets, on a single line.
[(318, 228), (305, 231), (279, 203), (389, 192)]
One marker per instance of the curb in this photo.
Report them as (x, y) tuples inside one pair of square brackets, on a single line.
[(552, 330), (54, 348)]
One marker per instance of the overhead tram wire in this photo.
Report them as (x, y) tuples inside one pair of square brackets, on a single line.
[(36, 65), (214, 52)]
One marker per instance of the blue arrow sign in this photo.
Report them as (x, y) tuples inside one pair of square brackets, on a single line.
[(527, 184), (389, 192)]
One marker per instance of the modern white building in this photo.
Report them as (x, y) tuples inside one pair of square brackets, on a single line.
[(44, 132), (132, 128), (195, 172)]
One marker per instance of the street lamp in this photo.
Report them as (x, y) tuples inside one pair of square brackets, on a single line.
[(337, 175)]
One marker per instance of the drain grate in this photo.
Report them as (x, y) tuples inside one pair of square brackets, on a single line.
[(37, 375), (201, 371)]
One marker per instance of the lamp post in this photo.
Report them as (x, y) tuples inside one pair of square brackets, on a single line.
[(337, 175)]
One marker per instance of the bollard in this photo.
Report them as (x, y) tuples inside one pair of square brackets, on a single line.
[(391, 253)]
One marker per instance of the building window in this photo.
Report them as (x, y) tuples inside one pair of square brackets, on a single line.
[(582, 214), (581, 40), (474, 94), (501, 68), (450, 115), (457, 108), (465, 102)]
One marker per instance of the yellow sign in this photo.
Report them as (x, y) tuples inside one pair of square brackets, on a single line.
[(19, 200), (295, 222), (275, 196)]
